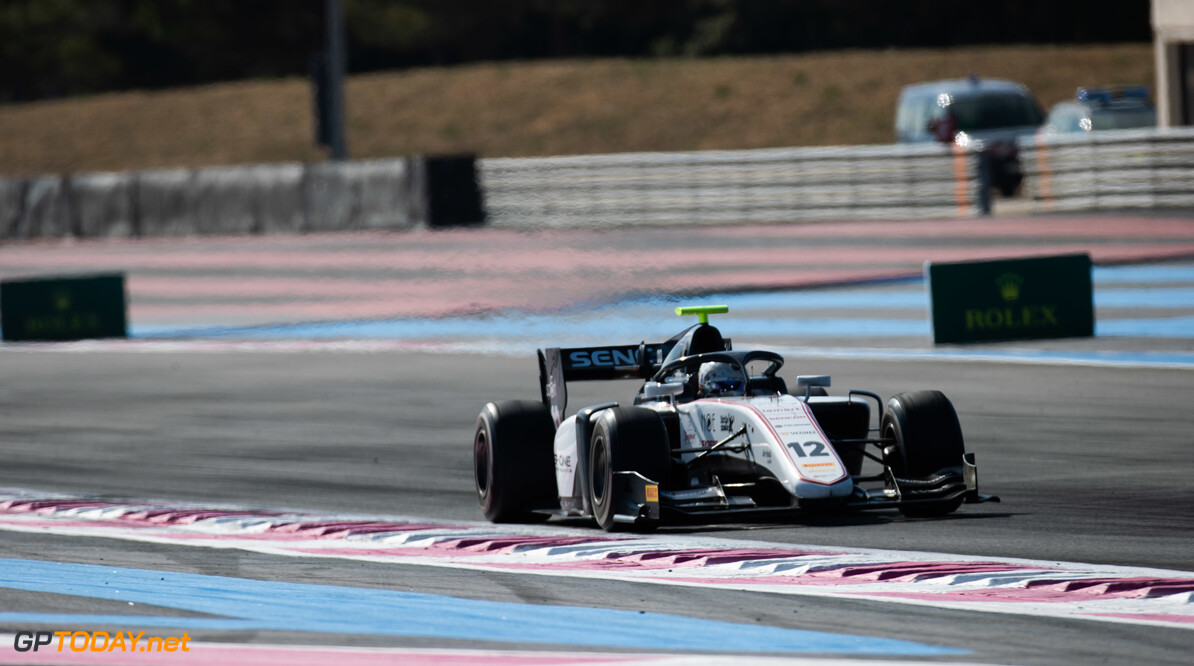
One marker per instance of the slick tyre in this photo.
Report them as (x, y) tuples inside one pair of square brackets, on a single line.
[(928, 441), (512, 461), (624, 440)]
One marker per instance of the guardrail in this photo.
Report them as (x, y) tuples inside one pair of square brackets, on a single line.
[(1108, 169), (706, 187)]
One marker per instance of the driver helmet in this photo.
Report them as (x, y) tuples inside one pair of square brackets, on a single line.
[(717, 378)]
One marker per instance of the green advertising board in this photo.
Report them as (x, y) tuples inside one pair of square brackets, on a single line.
[(63, 308), (1011, 299)]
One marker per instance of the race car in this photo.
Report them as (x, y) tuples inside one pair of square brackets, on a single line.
[(713, 434)]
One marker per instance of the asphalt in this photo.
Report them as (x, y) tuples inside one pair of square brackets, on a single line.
[(1090, 463), (1090, 460)]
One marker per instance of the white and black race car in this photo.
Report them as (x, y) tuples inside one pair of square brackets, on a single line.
[(713, 433)]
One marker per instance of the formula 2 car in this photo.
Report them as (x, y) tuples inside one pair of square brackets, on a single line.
[(712, 434)]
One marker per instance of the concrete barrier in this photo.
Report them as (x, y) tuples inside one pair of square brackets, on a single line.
[(12, 199), (102, 205), (162, 202), (249, 199), (373, 194), (43, 210)]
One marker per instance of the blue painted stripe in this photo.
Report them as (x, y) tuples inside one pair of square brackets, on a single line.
[(918, 299), (1136, 359), (563, 330), (1154, 273), (1163, 327), (246, 604), (827, 299), (1144, 298)]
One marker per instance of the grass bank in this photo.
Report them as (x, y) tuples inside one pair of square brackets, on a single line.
[(538, 108)]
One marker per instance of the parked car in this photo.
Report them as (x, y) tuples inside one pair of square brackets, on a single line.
[(981, 114), (1107, 108)]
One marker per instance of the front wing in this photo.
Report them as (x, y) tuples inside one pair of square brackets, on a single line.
[(642, 502)]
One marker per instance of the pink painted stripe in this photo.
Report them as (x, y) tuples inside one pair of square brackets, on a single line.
[(1127, 587), (295, 655), (184, 517), (394, 552), (50, 506), (773, 582), (653, 560), (1038, 594), (706, 557), (342, 529), (911, 571), (511, 544), (548, 261), (318, 277), (1035, 227)]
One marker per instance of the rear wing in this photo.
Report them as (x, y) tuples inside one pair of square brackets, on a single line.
[(559, 366)]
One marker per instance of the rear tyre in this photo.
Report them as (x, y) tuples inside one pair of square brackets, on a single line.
[(928, 442), (625, 440), (512, 461)]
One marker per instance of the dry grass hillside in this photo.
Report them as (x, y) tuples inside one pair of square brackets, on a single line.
[(537, 108)]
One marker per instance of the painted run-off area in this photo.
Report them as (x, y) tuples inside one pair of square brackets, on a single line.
[(257, 281)]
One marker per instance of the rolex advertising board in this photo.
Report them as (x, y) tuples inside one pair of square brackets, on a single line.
[(63, 308), (1011, 299)]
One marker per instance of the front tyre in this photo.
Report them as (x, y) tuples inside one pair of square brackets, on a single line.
[(624, 439), (512, 461), (928, 445)]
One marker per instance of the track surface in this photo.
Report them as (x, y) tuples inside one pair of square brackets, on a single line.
[(1092, 464), (1097, 476)]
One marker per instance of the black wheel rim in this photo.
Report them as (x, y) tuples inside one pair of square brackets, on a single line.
[(481, 462), (600, 471)]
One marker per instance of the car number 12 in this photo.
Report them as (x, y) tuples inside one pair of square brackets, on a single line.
[(808, 449)]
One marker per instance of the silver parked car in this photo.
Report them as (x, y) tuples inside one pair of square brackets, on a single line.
[(1107, 108)]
